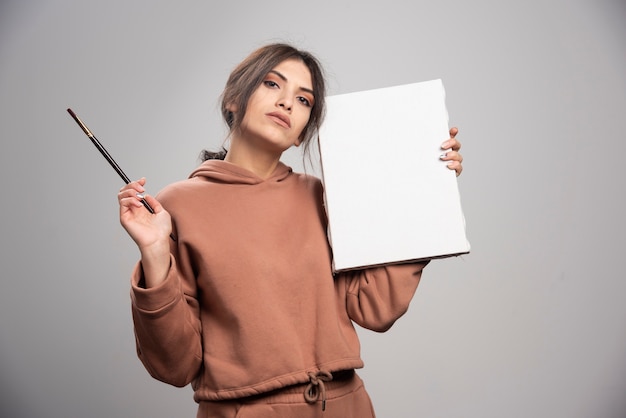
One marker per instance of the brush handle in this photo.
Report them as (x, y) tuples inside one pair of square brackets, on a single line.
[(107, 156)]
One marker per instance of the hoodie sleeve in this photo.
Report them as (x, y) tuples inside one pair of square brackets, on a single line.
[(377, 297), (167, 325)]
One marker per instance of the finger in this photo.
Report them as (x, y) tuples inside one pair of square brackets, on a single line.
[(452, 143), (456, 166), (130, 193), (134, 188), (452, 156), (130, 203), (454, 131), (137, 185)]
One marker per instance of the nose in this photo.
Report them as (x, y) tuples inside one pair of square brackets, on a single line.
[(285, 102)]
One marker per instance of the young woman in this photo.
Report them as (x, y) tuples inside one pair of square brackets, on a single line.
[(240, 301)]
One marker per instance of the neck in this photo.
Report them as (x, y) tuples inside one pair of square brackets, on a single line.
[(259, 161)]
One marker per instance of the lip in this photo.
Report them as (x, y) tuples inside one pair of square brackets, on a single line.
[(280, 118)]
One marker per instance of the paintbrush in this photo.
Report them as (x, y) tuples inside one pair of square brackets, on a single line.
[(110, 159)]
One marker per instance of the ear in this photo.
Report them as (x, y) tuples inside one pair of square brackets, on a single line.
[(231, 107)]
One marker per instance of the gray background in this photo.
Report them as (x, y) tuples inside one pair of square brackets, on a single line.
[(531, 323)]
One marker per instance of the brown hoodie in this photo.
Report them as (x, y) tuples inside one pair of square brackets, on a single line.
[(250, 303)]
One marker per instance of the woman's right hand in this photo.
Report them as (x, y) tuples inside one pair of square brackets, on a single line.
[(145, 228)]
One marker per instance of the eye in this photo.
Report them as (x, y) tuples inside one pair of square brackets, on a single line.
[(271, 84), (304, 101)]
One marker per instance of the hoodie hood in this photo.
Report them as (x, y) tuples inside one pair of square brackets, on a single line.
[(224, 172)]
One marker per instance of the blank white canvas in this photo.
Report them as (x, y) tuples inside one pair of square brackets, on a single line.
[(389, 197)]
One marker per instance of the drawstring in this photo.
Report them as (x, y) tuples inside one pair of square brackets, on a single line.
[(316, 386)]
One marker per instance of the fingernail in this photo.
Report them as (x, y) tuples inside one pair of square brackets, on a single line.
[(141, 195), (444, 155)]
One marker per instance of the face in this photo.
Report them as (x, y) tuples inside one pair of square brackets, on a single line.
[(280, 107)]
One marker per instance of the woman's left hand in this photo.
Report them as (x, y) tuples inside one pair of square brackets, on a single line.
[(451, 154)]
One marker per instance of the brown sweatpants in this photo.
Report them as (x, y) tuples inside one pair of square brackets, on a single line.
[(344, 399)]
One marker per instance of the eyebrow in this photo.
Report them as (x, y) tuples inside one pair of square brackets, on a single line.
[(282, 76)]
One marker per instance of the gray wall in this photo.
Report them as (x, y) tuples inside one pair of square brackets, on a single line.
[(531, 323)]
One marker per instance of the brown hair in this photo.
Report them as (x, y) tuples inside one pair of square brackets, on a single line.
[(249, 74)]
